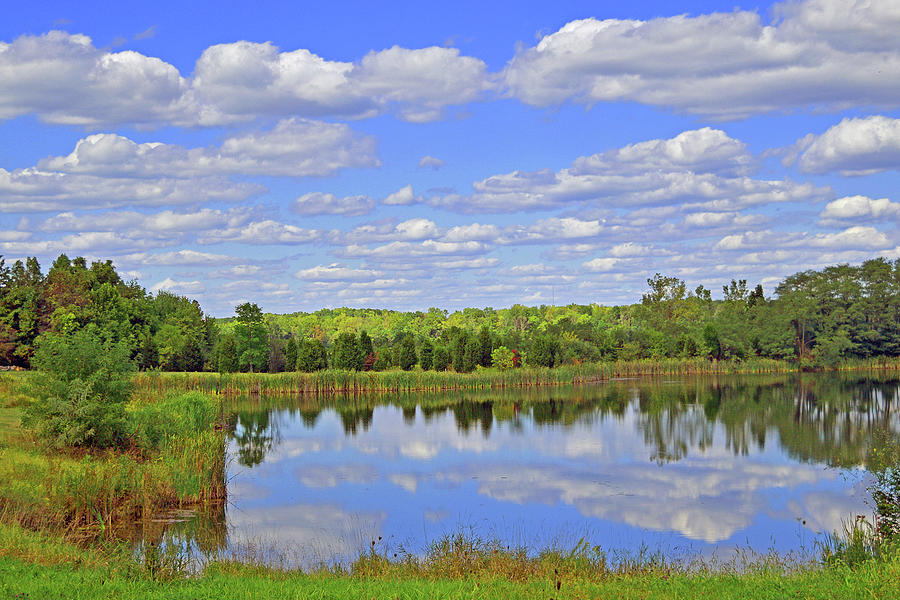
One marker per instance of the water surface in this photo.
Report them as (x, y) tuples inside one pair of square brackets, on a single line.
[(694, 465)]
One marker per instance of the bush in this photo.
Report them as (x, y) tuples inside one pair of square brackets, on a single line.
[(80, 390)]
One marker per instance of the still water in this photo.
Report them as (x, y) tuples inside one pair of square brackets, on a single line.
[(689, 465)]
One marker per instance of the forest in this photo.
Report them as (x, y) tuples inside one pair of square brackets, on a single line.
[(815, 318)]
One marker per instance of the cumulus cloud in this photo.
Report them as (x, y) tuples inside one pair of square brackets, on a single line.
[(166, 221), (261, 233), (409, 250), (822, 53), (179, 287), (856, 237), (180, 258), (293, 148), (32, 190), (705, 168), (65, 79), (859, 208), (317, 203), (337, 272), (430, 162), (858, 146), (402, 197)]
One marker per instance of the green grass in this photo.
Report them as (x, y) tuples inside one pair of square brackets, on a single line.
[(336, 381), (35, 565), (176, 457)]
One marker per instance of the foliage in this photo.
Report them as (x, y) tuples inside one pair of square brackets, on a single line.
[(311, 356), (81, 390), (502, 358), (250, 334), (346, 354), (407, 358)]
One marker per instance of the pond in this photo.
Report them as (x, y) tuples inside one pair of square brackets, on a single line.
[(691, 466)]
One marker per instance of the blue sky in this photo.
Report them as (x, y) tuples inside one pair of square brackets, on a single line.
[(450, 155)]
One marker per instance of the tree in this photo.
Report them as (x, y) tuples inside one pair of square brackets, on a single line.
[(426, 355), (346, 354), (486, 344), (311, 356), (502, 358), (227, 359), (407, 359), (366, 351), (290, 354), (458, 352), (441, 359), (471, 355), (250, 334), (543, 352), (80, 390)]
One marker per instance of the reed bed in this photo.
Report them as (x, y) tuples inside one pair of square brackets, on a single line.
[(176, 458), (336, 381)]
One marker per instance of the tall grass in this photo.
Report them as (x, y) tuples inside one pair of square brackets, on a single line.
[(336, 381), (176, 458)]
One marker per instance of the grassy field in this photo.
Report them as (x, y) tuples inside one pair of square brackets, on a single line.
[(38, 565)]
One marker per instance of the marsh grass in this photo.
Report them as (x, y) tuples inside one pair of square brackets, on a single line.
[(176, 458), (336, 381)]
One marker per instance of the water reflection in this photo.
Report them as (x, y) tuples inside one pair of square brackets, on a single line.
[(698, 462)]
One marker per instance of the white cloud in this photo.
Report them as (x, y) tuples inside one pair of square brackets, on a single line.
[(852, 147), (822, 53), (293, 148), (430, 162), (180, 258), (166, 221), (409, 250), (262, 233), (703, 150), (337, 272), (859, 208), (703, 168), (32, 190), (317, 203), (179, 287), (603, 265), (856, 237), (402, 197), (64, 79)]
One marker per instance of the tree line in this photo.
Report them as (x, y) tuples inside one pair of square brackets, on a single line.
[(815, 317)]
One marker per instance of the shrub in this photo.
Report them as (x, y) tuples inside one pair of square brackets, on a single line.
[(80, 390)]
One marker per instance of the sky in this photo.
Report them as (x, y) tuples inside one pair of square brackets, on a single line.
[(410, 155)]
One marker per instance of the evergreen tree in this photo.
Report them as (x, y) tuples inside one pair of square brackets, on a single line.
[(346, 354), (290, 354), (543, 352), (426, 355), (311, 356), (486, 345), (227, 354), (441, 359), (407, 359), (458, 352)]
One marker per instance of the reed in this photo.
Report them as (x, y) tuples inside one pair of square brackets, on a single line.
[(176, 458), (342, 382)]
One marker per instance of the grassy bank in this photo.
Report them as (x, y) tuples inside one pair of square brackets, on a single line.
[(37, 565), (175, 458)]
